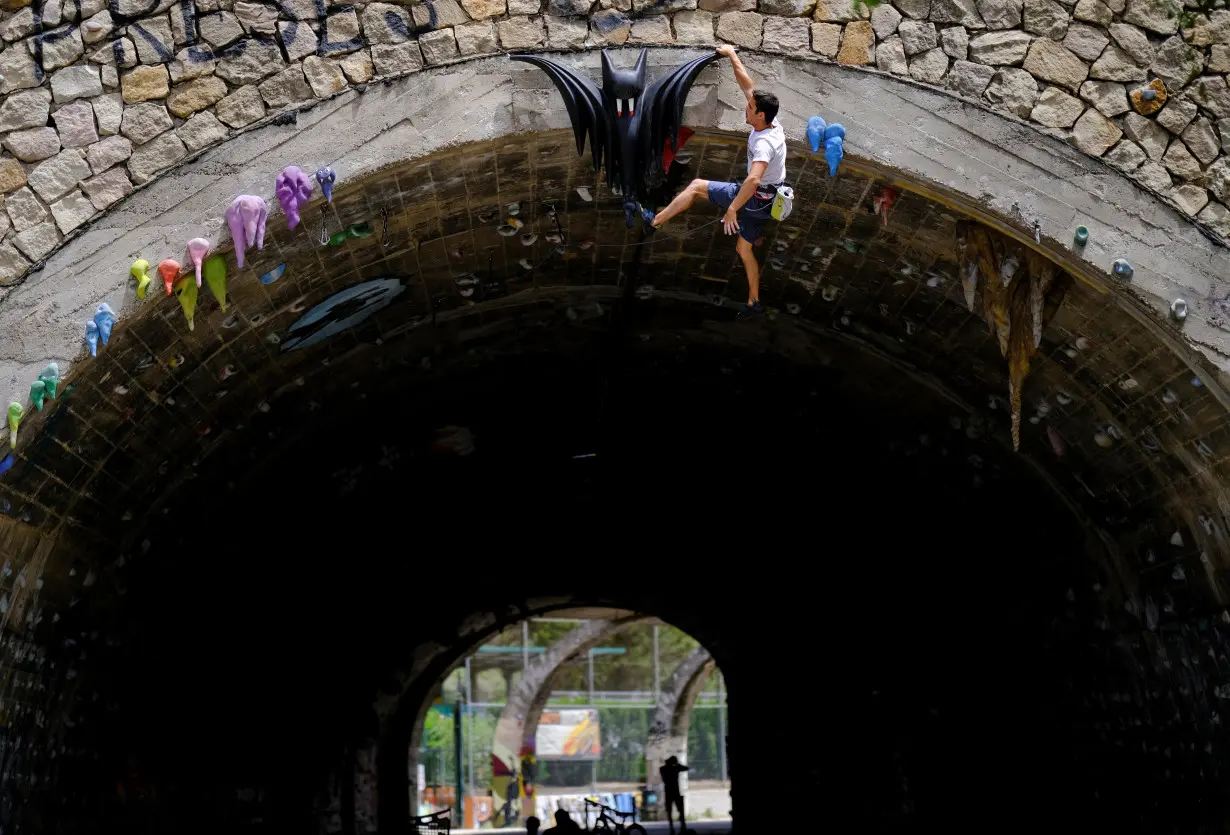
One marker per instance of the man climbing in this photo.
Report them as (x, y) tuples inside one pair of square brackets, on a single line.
[(749, 203)]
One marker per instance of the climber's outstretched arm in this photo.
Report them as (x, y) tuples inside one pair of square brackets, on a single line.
[(741, 75)]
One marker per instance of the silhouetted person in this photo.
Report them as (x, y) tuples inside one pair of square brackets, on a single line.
[(511, 794), (531, 825), (670, 772), (564, 824)]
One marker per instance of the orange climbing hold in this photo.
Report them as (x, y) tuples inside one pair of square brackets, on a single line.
[(169, 270)]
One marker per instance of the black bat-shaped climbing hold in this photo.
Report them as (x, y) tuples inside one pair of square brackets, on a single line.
[(627, 122)]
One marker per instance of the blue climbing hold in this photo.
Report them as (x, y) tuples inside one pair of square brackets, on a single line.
[(104, 317), (91, 337), (833, 152), (6, 464), (631, 210), (835, 130), (815, 133)]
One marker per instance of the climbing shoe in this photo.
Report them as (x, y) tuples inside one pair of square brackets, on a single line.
[(750, 310)]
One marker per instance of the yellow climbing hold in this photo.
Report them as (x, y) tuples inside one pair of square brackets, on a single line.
[(140, 271)]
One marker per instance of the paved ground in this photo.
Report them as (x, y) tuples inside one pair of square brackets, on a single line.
[(706, 799), (707, 806), (653, 828)]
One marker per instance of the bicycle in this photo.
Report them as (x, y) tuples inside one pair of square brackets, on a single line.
[(437, 822), (613, 820)]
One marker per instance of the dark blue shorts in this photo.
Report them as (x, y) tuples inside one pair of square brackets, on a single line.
[(753, 214)]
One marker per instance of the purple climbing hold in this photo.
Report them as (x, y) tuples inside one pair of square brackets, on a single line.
[(246, 219), (104, 318), (294, 190), (325, 177)]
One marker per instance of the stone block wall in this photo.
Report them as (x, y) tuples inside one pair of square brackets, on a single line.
[(101, 96)]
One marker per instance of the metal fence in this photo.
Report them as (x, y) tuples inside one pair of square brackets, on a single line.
[(624, 732)]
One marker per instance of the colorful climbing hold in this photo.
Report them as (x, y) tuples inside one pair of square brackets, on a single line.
[(273, 275), (140, 271), (91, 337), (359, 230), (198, 248), (294, 190), (326, 178), (38, 393), (186, 290), (884, 200), (833, 154), (7, 463), (815, 133), (215, 277), (1178, 310), (51, 379), (1122, 268), (169, 270), (16, 412), (337, 238), (246, 218), (104, 317), (1082, 236)]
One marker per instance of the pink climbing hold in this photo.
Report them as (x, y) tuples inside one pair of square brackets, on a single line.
[(246, 219), (294, 190), (198, 248)]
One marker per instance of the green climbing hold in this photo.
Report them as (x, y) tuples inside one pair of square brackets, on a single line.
[(337, 239), (186, 290), (50, 379), (215, 278), (359, 230), (38, 393), (16, 412)]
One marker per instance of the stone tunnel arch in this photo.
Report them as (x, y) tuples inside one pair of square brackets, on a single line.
[(378, 791), (1155, 503), (518, 721), (921, 143), (522, 721)]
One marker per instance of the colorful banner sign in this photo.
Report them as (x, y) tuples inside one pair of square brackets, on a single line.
[(570, 735)]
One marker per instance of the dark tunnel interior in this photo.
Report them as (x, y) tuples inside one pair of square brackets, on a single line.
[(906, 618)]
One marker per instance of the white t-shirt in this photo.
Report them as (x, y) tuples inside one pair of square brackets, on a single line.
[(768, 145)]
